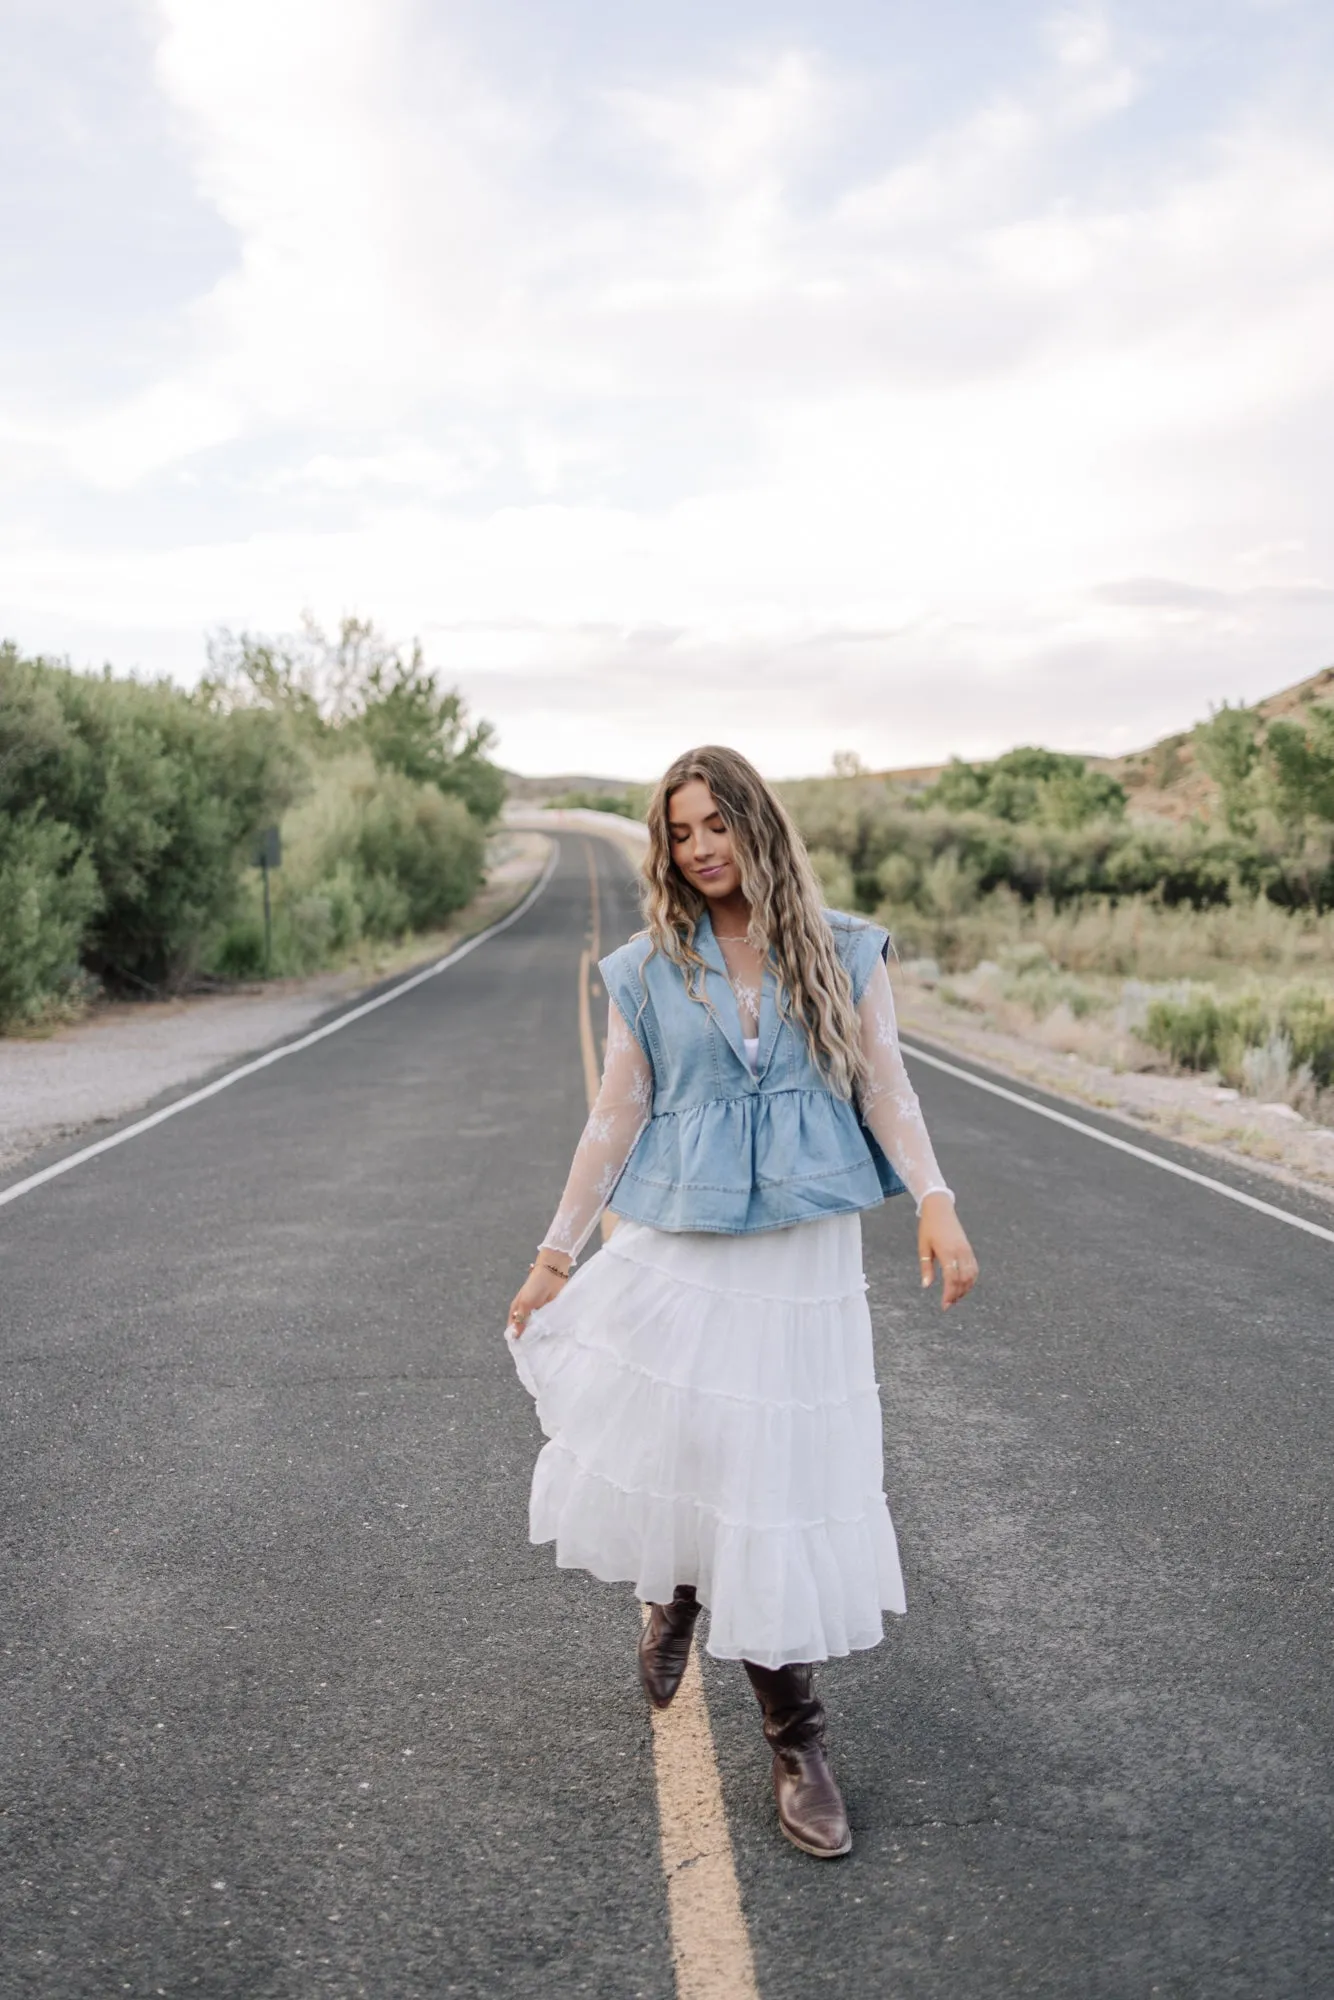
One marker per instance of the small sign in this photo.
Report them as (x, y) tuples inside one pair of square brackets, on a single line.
[(268, 849)]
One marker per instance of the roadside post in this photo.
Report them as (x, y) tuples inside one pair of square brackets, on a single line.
[(268, 854)]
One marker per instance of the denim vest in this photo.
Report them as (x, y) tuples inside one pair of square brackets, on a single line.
[(726, 1150)]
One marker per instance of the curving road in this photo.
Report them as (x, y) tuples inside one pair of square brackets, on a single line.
[(291, 1707)]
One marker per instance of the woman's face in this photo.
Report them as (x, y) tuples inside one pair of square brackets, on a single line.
[(700, 842)]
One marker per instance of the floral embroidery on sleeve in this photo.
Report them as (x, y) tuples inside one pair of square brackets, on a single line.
[(615, 1122), (889, 1103)]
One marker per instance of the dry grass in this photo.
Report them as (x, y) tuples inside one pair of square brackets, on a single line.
[(1080, 982), (1233, 945)]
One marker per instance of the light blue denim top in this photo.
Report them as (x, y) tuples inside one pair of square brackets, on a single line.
[(726, 1150)]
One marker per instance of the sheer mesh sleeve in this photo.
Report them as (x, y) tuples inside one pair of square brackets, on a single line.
[(889, 1102), (619, 1115)]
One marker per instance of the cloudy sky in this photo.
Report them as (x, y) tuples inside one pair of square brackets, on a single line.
[(904, 376)]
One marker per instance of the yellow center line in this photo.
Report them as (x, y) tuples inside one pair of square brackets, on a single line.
[(594, 914), (587, 1046), (711, 1950), (710, 1942), (587, 1039)]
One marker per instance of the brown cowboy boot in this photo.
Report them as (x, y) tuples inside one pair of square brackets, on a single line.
[(664, 1644), (810, 1807)]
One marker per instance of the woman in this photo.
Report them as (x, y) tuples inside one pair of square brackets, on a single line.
[(706, 1381)]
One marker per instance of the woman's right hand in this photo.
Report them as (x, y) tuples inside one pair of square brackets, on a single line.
[(545, 1282)]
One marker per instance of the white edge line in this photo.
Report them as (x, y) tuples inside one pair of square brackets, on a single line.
[(232, 1076), (1122, 1145)]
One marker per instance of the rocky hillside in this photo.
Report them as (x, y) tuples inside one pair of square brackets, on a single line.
[(1166, 782)]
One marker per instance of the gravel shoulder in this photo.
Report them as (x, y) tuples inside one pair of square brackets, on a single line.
[(126, 1054)]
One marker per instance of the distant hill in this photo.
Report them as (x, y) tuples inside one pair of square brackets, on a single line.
[(1164, 780)]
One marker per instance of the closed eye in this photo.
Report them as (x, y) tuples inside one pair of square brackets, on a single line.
[(683, 832)]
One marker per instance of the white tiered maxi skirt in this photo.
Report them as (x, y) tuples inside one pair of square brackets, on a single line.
[(712, 1417)]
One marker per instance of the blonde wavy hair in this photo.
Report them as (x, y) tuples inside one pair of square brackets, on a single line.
[(787, 922)]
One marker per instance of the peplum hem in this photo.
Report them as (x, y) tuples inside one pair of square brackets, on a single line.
[(713, 1418), (726, 1166)]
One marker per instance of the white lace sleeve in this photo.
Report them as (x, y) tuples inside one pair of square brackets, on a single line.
[(618, 1117), (889, 1102)]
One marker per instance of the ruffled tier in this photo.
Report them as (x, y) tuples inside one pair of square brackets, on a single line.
[(713, 1418)]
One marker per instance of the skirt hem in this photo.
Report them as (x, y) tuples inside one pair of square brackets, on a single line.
[(758, 1656)]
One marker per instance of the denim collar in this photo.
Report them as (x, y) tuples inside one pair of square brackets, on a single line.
[(724, 1005)]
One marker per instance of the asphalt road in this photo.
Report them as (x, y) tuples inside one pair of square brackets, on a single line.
[(291, 1707)]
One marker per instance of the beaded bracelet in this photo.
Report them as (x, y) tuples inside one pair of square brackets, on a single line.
[(539, 1264)]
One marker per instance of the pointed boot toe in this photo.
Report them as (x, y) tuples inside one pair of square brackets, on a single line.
[(664, 1645), (811, 1812)]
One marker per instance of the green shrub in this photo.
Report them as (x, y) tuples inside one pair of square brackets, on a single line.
[(128, 813), (949, 886), (898, 878), (1202, 1032), (835, 878), (1188, 1031), (1044, 787), (162, 797), (304, 933), (891, 839), (239, 952), (48, 894), (423, 844), (170, 798), (368, 853), (347, 912), (1043, 987), (1307, 1017)]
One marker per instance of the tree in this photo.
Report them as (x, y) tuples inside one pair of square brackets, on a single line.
[(1299, 756), (273, 674), (410, 725), (1299, 782), (1030, 785), (1228, 748), (358, 686), (960, 787)]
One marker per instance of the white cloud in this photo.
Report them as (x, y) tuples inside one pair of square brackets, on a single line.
[(734, 138), (407, 467), (754, 403)]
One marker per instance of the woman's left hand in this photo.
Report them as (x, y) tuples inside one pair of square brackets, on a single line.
[(940, 1240)]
